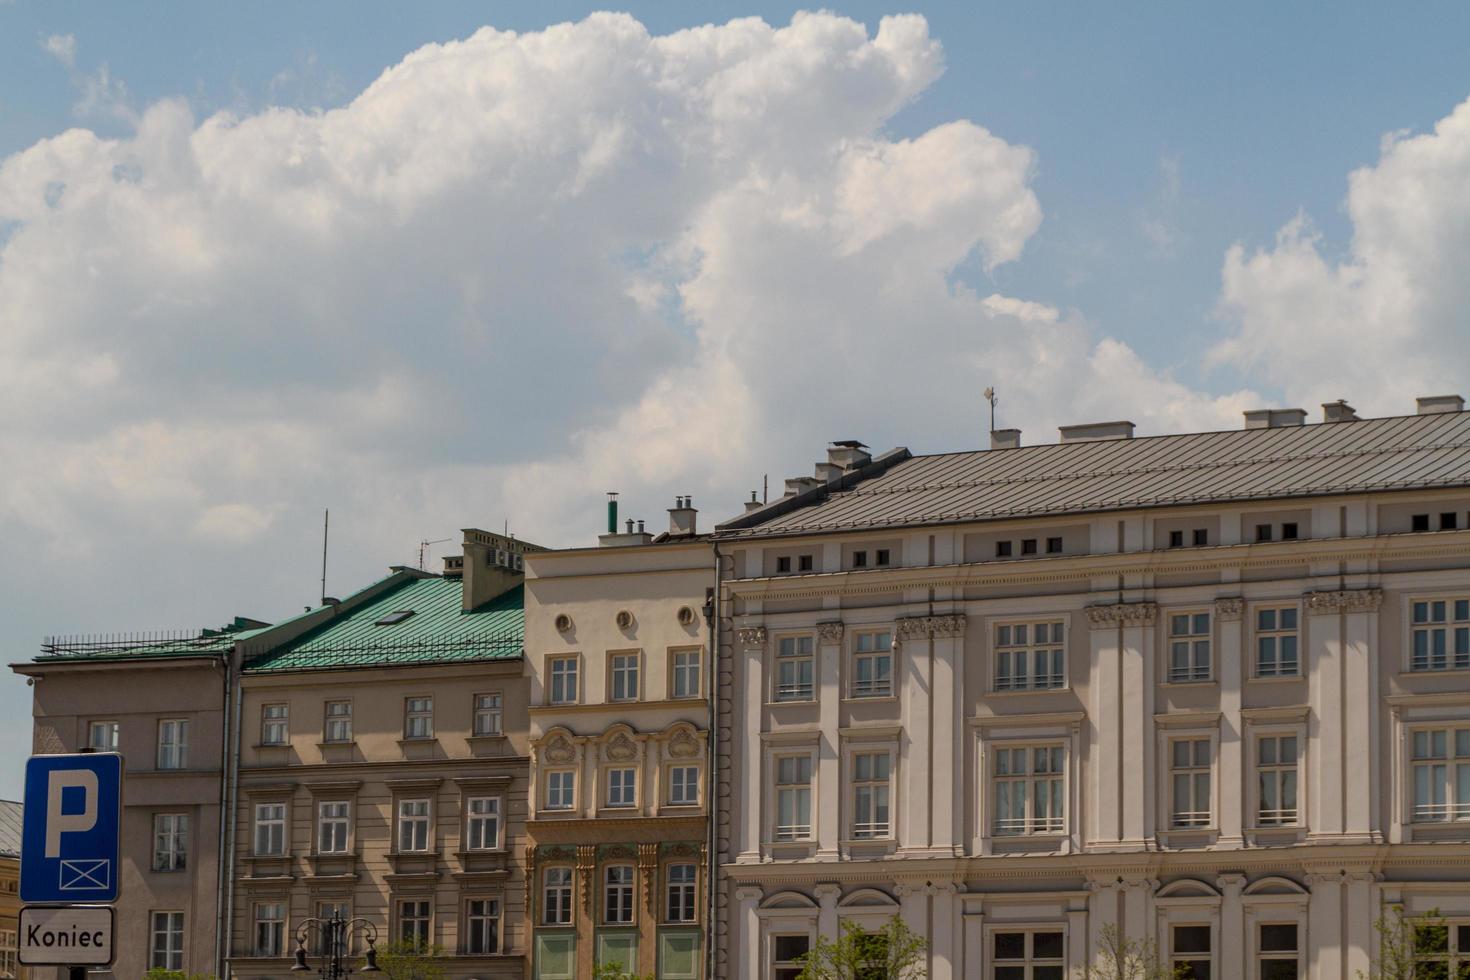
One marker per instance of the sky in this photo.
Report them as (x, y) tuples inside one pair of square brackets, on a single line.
[(454, 265)]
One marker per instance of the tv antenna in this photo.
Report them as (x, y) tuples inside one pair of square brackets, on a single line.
[(992, 398), (424, 549)]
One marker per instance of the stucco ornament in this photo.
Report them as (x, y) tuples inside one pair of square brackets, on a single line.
[(830, 632), (923, 627), (559, 751), (1347, 601), (622, 748), (1122, 614), (683, 745), (752, 636), (1230, 608)]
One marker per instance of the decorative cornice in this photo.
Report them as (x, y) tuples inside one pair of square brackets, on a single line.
[(1123, 614), (752, 636), (923, 627), (829, 632), (1346, 601), (1229, 608)]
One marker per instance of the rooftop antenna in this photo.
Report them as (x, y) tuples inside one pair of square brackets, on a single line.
[(424, 548), (765, 488), (992, 397), (326, 515)]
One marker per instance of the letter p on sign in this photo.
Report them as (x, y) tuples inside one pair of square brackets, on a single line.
[(59, 822)]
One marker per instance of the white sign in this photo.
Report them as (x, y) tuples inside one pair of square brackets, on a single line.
[(77, 935)]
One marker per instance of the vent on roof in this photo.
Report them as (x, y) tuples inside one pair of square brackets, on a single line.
[(397, 616), (1094, 431), (1338, 411), (1274, 418), (1005, 439), (1437, 404)]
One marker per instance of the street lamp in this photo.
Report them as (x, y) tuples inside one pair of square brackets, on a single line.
[(334, 933)]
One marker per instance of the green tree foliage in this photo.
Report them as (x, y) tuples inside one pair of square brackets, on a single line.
[(409, 959), (894, 952), (1411, 948), (158, 973), (616, 971), (1122, 958)]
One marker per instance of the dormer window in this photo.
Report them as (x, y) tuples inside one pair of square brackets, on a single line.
[(1448, 522), (1053, 546)]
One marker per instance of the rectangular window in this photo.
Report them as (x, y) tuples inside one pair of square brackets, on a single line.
[(556, 897), (413, 923), (684, 669), (1201, 536), (1030, 797), (872, 668), (1189, 952), (795, 667), (270, 929), (1053, 546), (1276, 775), (1441, 634), (1189, 647), (1419, 522), (793, 797), (327, 911), (882, 557), (482, 921), (1190, 772), (870, 788), (1449, 521), (682, 892), (684, 786), (413, 825), (1278, 956), (1003, 549), (331, 828), (804, 563), (484, 823), (623, 677), (617, 904), (1028, 546), (1029, 955), (418, 717), (166, 948), (102, 736), (173, 743), (559, 789), (170, 841), (788, 956), (562, 680), (273, 724), (338, 726), (622, 787), (1289, 531), (1441, 775), (1277, 643), (270, 829), (1263, 532), (1442, 951), (859, 559), (1030, 657), (783, 564), (488, 714)]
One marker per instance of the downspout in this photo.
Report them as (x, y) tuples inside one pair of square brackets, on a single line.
[(222, 949), (712, 618), (224, 768)]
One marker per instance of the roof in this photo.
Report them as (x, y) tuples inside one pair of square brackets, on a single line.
[(204, 643), (437, 631), (9, 828), (1410, 452)]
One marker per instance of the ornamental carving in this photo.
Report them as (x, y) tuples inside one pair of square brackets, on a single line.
[(559, 751), (752, 636), (1230, 608), (923, 627), (1125, 614), (622, 748), (1348, 601), (625, 851), (683, 745), (550, 854), (830, 632), (683, 849)]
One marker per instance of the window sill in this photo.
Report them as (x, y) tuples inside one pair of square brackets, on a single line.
[(482, 852), (271, 745), (1433, 671), (1209, 682), (418, 740), (792, 704), (866, 699), (336, 743), (1024, 691), (1277, 679)]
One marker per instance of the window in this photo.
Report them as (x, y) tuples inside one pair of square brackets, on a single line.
[(327, 911), (1176, 539), (1053, 546), (617, 905), (270, 829), (1029, 955), (859, 559), (338, 727), (1002, 549), (1189, 647), (1029, 657), (418, 717), (394, 617), (1442, 951), (1278, 957), (166, 949), (793, 797), (870, 795), (560, 786), (623, 677), (9, 952), (795, 668), (173, 743), (622, 787), (102, 736), (273, 724), (783, 564), (170, 841), (1201, 536), (484, 823), (1276, 643), (1263, 532), (331, 828), (1289, 531), (872, 668), (882, 557), (1276, 780), (682, 892), (1419, 522), (684, 786), (684, 671), (788, 956), (1190, 952), (270, 929), (1440, 626), (1028, 546), (804, 563), (413, 922), (413, 825), (556, 897), (487, 714), (482, 918), (563, 680), (1449, 521), (1442, 775), (1029, 795), (1190, 769)]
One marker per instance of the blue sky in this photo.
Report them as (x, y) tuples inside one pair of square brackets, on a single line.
[(1125, 150)]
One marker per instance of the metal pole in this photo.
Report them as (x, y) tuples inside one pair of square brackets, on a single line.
[(326, 515)]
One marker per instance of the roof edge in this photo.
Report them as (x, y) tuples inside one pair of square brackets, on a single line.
[(785, 505)]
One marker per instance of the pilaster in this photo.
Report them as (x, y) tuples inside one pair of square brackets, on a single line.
[(1122, 711), (1233, 764), (747, 939), (747, 835), (1342, 674), (1233, 940), (829, 773)]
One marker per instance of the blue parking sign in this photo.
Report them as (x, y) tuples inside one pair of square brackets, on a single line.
[(70, 828)]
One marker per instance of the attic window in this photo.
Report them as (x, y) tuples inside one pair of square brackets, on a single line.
[(396, 616)]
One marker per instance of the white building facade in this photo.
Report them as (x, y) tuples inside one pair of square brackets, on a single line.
[(1210, 690)]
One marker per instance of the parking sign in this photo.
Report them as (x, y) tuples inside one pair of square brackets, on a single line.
[(70, 828)]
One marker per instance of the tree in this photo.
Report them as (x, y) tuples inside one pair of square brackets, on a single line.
[(159, 973), (409, 959), (615, 971), (1122, 958), (894, 952), (1410, 948)]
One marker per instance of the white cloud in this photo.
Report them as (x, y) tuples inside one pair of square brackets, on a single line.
[(62, 47), (1384, 322)]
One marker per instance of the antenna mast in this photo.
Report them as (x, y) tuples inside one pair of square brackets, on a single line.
[(326, 516), (424, 548), (992, 398)]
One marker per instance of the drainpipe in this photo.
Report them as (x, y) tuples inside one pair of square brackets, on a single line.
[(233, 795), (712, 873), (221, 877)]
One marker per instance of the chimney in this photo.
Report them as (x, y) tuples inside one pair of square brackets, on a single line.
[(848, 454), (1338, 411), (492, 564), (801, 484), (612, 511), (1437, 404), (753, 504), (681, 516), (1274, 418), (1096, 431), (1005, 439), (626, 537), (828, 473)]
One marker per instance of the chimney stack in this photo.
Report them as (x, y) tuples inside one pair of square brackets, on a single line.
[(681, 517), (753, 504), (1437, 404), (1338, 411), (1274, 418), (849, 454), (1005, 439), (612, 512), (1096, 431), (801, 484)]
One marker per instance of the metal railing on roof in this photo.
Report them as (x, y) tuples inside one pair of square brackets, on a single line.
[(93, 644)]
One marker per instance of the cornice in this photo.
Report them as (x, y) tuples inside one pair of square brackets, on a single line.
[(1029, 720)]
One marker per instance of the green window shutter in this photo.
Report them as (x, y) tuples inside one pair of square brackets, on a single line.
[(556, 956), (618, 947), (678, 955)]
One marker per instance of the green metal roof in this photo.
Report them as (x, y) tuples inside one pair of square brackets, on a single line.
[(438, 631), (142, 646)]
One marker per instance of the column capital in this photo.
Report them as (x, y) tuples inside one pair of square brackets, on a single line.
[(1229, 880), (829, 632), (748, 893), (1229, 608), (1343, 601), (1124, 614), (923, 627), (827, 893), (751, 636)]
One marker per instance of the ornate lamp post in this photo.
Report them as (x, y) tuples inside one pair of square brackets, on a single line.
[(334, 935)]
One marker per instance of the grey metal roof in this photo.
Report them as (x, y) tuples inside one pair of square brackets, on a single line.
[(1417, 451), (9, 828)]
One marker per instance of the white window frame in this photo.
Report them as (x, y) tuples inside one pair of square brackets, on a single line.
[(788, 968), (170, 841), (415, 822), (1284, 819), (994, 733), (1455, 627), (679, 784), (269, 928), (880, 788), (482, 926), (1030, 960), (792, 833), (559, 783), (1177, 958), (482, 813), (111, 732), (803, 648), (418, 717), (173, 743), (563, 672), (686, 673), (881, 683), (332, 825), (622, 788), (1275, 635), (275, 723), (1210, 820), (1190, 672), (337, 728), (1456, 956), (557, 895), (681, 893), (168, 925), (270, 825), (1456, 765), (1008, 650), (620, 896), (489, 714), (1258, 955), (1002, 758), (624, 676)]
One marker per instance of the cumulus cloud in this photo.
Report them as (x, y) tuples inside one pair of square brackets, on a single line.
[(62, 47)]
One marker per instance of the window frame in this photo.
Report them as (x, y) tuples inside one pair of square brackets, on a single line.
[(1455, 660), (279, 822), (627, 798), (406, 821), (105, 724), (177, 751), (1031, 649), (1045, 827), (487, 706), (276, 944), (1192, 639), (173, 958), (494, 816), (795, 659), (672, 783), (627, 892), (495, 932), (176, 857), (620, 664), (1259, 956), (565, 896), (1456, 766), (875, 690), (551, 784), (1177, 958), (676, 670), (687, 892), (329, 720), (1168, 803), (275, 729), (418, 708), (323, 820), (790, 968), (875, 830), (560, 669), (1256, 737), (1029, 961), (423, 913), (1277, 634), (790, 835)]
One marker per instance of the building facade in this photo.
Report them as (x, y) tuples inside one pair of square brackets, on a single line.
[(1211, 691), (10, 821)]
